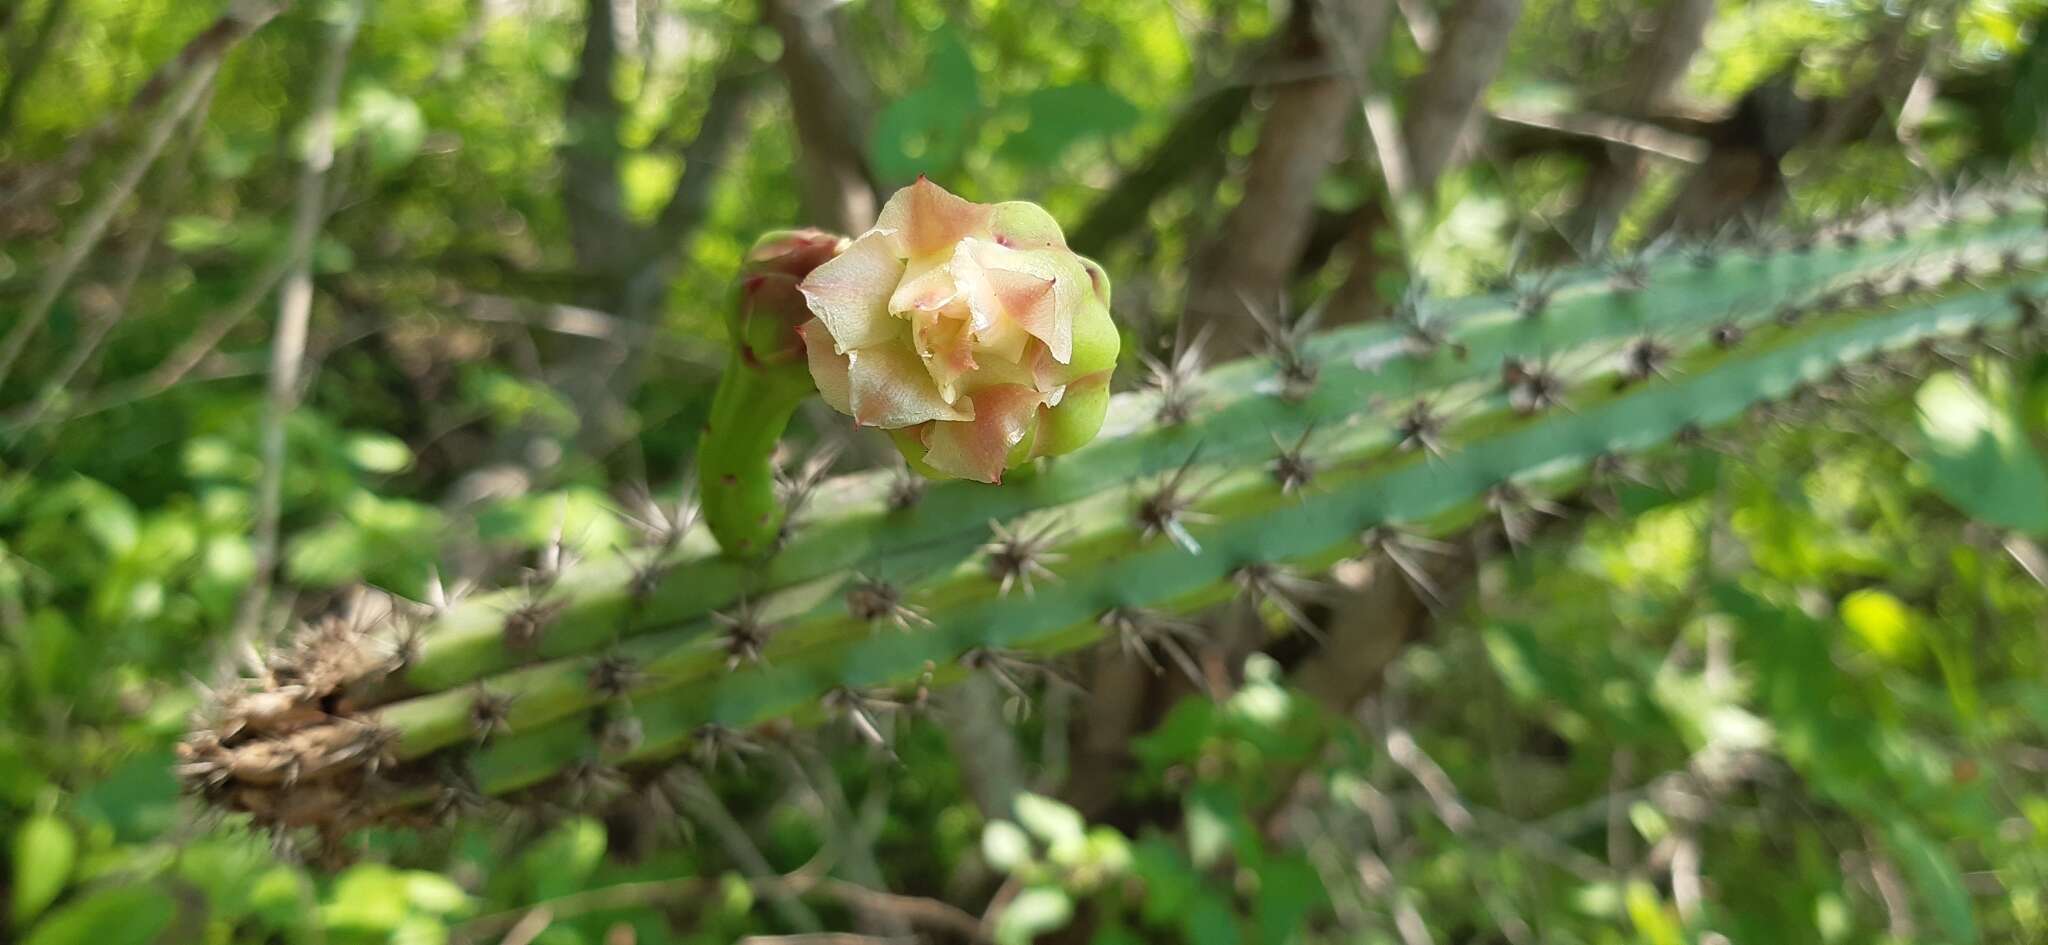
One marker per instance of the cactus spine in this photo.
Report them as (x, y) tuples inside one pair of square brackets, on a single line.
[(1283, 464)]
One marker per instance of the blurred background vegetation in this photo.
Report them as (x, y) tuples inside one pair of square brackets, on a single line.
[(300, 296)]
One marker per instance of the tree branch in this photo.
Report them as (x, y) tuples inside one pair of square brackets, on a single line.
[(170, 177), (26, 61), (295, 307), (603, 238), (203, 51), (1188, 146), (1442, 104), (1253, 254), (705, 156), (831, 116), (191, 88)]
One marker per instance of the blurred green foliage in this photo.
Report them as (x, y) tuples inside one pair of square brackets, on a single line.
[(1816, 671)]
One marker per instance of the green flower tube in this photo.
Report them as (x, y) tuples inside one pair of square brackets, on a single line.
[(766, 378)]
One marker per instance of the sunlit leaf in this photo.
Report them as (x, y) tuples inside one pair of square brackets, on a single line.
[(44, 851), (1978, 458), (114, 915), (1033, 912)]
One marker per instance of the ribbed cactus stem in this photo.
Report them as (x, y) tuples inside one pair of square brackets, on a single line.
[(1414, 429)]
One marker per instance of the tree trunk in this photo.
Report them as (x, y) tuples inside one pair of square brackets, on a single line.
[(1251, 258)]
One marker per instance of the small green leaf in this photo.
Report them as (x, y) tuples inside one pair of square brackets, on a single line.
[(432, 892), (1937, 880), (369, 898), (1062, 116), (1004, 846), (927, 129), (1652, 919), (1978, 458), (1051, 821), (118, 915), (391, 125), (1883, 622), (44, 851), (1035, 911), (378, 453)]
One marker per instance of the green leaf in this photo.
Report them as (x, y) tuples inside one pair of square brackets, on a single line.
[(1289, 889), (390, 124), (44, 851), (1883, 622), (1035, 911), (378, 453), (119, 915), (1978, 458), (927, 129), (334, 553), (434, 893), (1655, 922), (1210, 921), (1004, 846), (1062, 116), (370, 898), (1938, 881), (1053, 822)]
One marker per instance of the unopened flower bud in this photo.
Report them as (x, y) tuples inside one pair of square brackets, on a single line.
[(768, 308)]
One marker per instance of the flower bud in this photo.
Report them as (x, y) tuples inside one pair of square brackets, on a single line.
[(970, 331), (768, 308)]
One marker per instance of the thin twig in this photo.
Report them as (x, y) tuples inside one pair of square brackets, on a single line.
[(25, 60), (697, 800), (171, 176), (203, 51), (295, 307), (87, 235)]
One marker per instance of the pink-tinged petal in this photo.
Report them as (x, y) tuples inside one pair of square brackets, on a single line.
[(828, 366), (850, 294), (927, 286), (1046, 374), (1031, 288), (889, 387), (947, 349), (926, 219), (979, 450)]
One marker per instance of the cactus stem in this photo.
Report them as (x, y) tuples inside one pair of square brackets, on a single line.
[(862, 713), (1286, 345), (1293, 469), (749, 411), (746, 634), (1514, 506), (614, 674), (1168, 510), (1399, 549), (1645, 357), (906, 488), (713, 744), (1263, 584), (490, 715), (1174, 379), (875, 602), (1143, 634), (1420, 428), (1016, 556), (525, 623)]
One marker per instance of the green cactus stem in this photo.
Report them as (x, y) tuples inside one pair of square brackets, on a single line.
[(735, 457), (1275, 467)]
